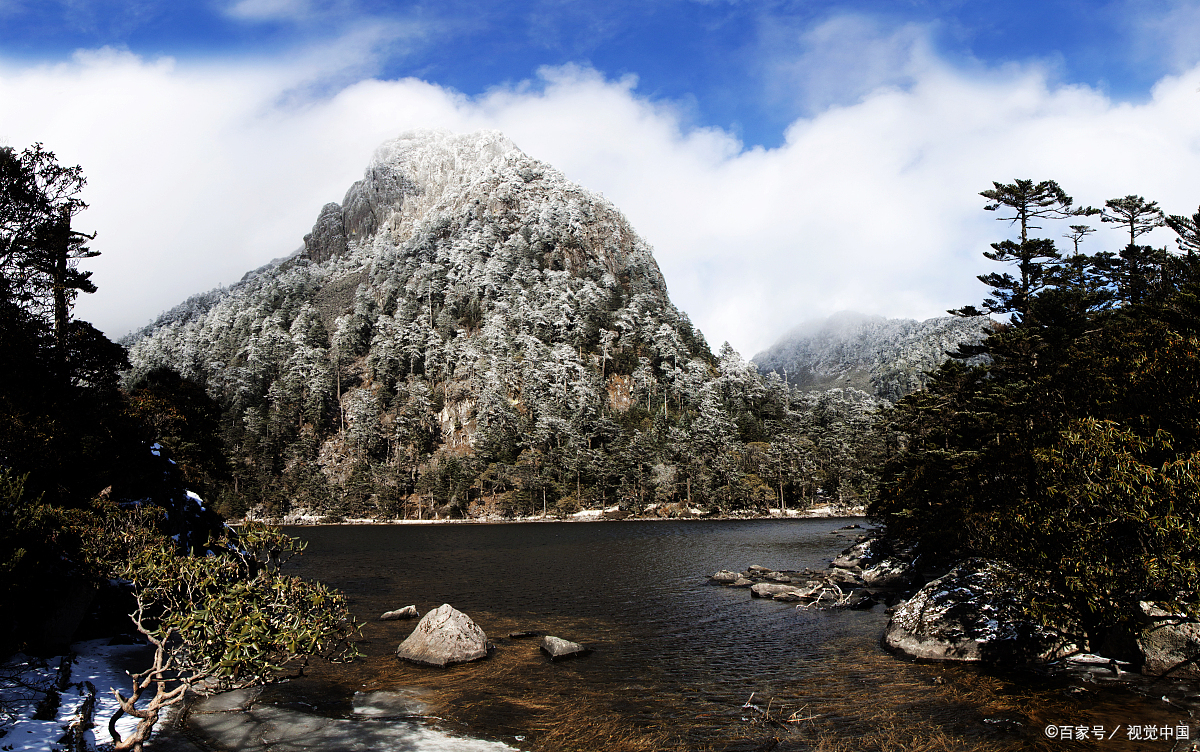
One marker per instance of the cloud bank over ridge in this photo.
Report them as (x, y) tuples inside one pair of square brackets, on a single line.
[(200, 171)]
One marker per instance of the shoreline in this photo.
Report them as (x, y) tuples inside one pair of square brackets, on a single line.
[(814, 513)]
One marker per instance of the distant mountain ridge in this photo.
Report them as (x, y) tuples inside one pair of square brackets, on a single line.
[(885, 357)]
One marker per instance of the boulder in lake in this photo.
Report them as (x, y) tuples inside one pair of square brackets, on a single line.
[(862, 554), (741, 582), (724, 577), (1170, 644), (890, 572), (558, 648), (771, 589), (444, 636), (844, 577), (408, 612), (975, 613)]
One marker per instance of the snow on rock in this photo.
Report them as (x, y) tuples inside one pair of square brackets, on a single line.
[(975, 614), (233, 719)]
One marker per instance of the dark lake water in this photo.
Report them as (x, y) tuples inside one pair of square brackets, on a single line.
[(674, 658)]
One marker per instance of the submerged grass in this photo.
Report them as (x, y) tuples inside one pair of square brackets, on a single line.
[(876, 702)]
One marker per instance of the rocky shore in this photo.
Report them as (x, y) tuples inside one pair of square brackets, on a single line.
[(386, 719), (301, 517), (976, 612), (865, 574)]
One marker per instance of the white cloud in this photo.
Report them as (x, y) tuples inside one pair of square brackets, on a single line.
[(1165, 32), (838, 61), (262, 10), (199, 172)]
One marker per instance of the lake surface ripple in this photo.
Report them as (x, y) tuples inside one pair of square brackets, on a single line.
[(674, 659)]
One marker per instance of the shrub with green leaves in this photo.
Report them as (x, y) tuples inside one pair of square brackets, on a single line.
[(222, 619)]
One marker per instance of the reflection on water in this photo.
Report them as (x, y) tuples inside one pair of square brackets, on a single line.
[(674, 659)]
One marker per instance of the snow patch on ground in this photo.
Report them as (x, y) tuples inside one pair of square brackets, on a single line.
[(96, 662), (383, 720)]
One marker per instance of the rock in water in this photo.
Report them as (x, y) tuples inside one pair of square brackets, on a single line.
[(845, 577), (860, 555), (888, 573), (724, 577), (444, 636), (408, 612), (558, 648), (771, 589)]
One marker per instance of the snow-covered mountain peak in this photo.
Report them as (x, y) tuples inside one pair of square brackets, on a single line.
[(428, 170), (471, 333), (424, 181), (440, 159)]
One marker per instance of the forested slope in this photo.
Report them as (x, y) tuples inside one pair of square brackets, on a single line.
[(889, 358), (469, 332)]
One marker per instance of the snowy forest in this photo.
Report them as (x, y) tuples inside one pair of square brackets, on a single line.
[(889, 358), (471, 334)]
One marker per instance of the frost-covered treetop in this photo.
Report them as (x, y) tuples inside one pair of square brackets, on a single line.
[(431, 171), (888, 357), (427, 177)]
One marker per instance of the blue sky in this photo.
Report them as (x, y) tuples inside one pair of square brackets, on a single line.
[(785, 159), (730, 63)]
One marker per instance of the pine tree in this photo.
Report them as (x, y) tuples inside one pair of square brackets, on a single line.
[(1022, 203)]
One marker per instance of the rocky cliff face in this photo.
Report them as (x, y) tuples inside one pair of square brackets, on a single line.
[(886, 357)]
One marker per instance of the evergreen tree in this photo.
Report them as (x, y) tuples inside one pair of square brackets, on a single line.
[(1137, 271), (1188, 230), (1022, 203), (1070, 453)]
